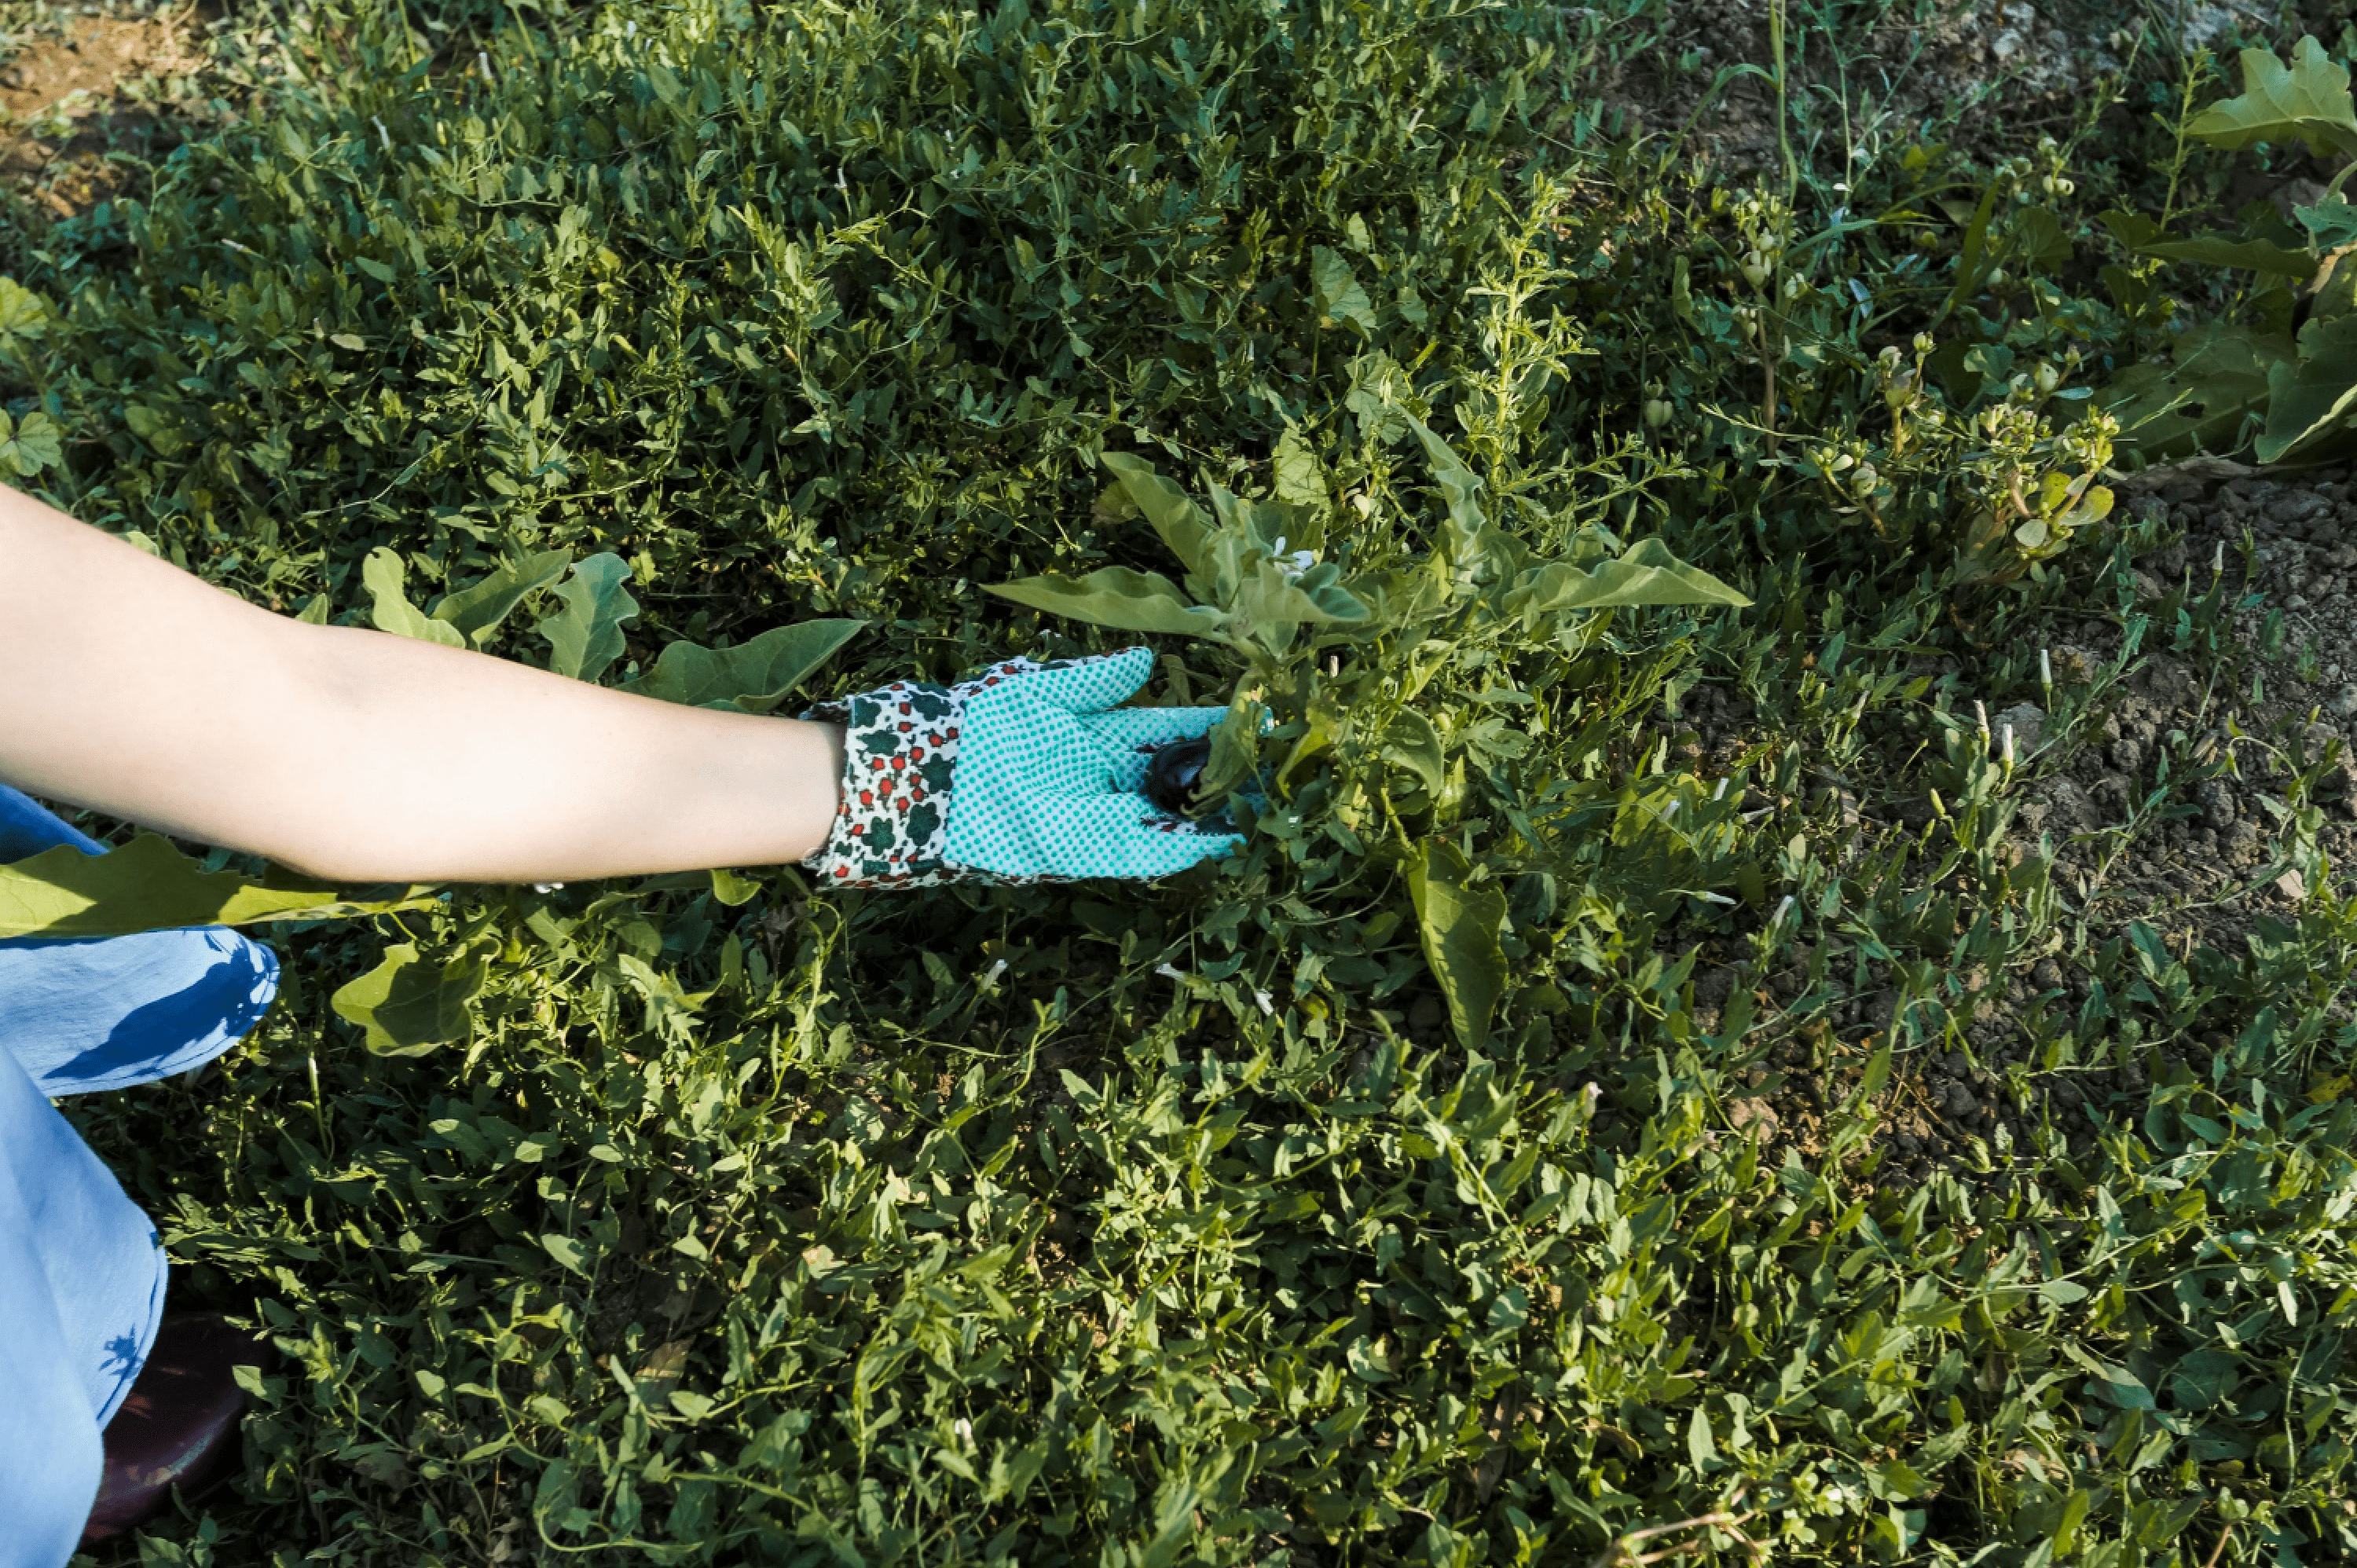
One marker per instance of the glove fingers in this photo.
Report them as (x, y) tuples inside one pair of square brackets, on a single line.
[(1098, 681), (1130, 830), (1132, 735)]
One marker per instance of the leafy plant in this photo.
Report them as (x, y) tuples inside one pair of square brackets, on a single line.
[(1477, 598), (2283, 387)]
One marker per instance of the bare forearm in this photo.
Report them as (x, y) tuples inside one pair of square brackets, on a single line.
[(129, 686)]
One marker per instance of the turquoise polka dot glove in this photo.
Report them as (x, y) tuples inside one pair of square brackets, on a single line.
[(1026, 772)]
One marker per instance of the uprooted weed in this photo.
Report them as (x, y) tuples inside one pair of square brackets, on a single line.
[(1806, 1123)]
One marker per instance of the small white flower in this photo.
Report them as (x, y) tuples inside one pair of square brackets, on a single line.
[(966, 1432), (1780, 911), (998, 968), (381, 134), (546, 886), (1714, 898), (1294, 563), (1267, 1006), (1164, 969)]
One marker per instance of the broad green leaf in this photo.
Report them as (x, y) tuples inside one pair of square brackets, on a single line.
[(2134, 229), (1476, 548), (1176, 519), (574, 1256), (2038, 238), (1410, 741), (1646, 574), (31, 445), (755, 676), (155, 427), (1269, 598), (1298, 480), (1460, 924), (1236, 748), (477, 609), (23, 313), (2212, 399), (732, 890), (1700, 1447), (2331, 223), (1116, 597), (148, 885), (1334, 290), (2229, 250), (409, 1006), (2307, 100), (2310, 398), (585, 636), (383, 574), (1332, 601)]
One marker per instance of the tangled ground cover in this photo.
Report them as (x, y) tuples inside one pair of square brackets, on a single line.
[(1858, 1075)]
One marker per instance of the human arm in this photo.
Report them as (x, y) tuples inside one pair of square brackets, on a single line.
[(130, 687)]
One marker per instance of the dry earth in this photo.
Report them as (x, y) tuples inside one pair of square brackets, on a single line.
[(2197, 860), (79, 111)]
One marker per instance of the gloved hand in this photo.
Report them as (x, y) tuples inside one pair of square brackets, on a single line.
[(1019, 773)]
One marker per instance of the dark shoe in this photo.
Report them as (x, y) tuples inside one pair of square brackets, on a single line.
[(178, 1427)]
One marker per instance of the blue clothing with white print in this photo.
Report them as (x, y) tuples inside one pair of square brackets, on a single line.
[(81, 1269)]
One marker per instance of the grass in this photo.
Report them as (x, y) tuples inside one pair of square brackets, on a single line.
[(1255, 1218)]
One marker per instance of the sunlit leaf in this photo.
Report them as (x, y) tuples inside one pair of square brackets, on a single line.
[(1297, 477), (477, 609), (147, 885), (1646, 574), (1116, 596), (410, 1006), (754, 676), (585, 636), (2308, 101), (1460, 923), (1177, 520), (382, 574), (1334, 289), (31, 444)]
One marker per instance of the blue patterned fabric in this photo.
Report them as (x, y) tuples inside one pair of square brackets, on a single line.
[(81, 1269)]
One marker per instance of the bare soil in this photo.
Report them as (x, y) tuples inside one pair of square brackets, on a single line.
[(2012, 58), (2165, 801), (79, 112)]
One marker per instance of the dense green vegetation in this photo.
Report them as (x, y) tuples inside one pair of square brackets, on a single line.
[(1375, 1195)]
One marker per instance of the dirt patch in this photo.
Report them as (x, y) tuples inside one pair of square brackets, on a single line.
[(66, 102), (2161, 793), (2028, 59)]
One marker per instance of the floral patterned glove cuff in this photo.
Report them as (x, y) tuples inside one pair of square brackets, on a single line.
[(900, 751), (1049, 787)]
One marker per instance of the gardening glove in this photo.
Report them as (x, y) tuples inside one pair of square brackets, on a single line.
[(1026, 772)]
